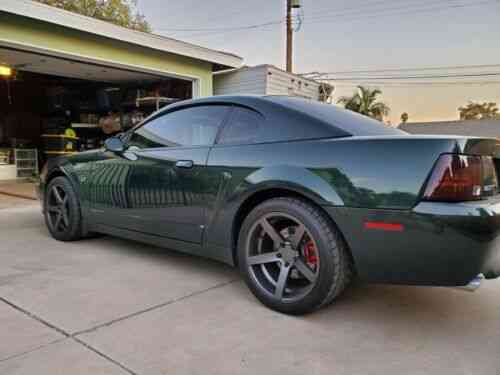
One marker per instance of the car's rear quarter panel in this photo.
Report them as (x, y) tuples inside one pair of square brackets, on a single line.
[(350, 172), (363, 179)]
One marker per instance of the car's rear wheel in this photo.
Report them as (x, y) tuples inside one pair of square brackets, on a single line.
[(292, 257), (62, 210)]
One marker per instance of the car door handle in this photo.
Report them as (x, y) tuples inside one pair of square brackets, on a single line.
[(184, 164)]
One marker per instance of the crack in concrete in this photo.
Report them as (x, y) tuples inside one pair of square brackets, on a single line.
[(74, 337)]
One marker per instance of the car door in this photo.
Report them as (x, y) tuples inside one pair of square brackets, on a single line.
[(159, 186)]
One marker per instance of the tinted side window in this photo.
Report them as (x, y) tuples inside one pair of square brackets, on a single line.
[(244, 127), (194, 126)]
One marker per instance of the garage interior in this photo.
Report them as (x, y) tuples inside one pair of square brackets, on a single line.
[(51, 106)]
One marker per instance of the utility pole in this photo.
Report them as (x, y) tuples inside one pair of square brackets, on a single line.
[(290, 6), (289, 37)]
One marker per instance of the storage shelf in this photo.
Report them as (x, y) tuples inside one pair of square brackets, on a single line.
[(25, 157), (83, 125)]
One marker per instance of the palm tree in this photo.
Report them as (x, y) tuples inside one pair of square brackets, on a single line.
[(479, 111), (364, 101), (404, 117)]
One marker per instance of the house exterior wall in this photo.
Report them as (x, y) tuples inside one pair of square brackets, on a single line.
[(264, 80), (25, 33)]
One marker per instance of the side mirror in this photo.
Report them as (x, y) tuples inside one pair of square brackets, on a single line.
[(114, 144)]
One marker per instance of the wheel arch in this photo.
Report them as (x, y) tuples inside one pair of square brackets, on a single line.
[(56, 172), (266, 194), (59, 171)]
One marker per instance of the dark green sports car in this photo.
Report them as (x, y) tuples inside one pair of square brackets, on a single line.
[(301, 196)]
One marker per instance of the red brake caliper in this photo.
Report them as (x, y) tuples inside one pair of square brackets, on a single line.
[(310, 254)]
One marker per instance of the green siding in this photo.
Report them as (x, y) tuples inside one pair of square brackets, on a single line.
[(43, 35)]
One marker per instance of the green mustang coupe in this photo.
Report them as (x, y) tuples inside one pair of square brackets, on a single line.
[(301, 196)]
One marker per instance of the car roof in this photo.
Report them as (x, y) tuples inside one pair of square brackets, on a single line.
[(320, 118)]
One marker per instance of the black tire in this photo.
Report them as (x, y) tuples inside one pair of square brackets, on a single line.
[(62, 226), (332, 270)]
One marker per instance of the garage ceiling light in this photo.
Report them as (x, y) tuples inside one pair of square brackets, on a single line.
[(5, 71)]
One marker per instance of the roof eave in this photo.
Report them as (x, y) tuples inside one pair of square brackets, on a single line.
[(60, 17)]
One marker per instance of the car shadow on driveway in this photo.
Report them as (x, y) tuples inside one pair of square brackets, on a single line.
[(433, 310)]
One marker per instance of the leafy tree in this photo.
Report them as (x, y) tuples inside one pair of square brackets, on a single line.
[(479, 111), (404, 117), (120, 12), (364, 101)]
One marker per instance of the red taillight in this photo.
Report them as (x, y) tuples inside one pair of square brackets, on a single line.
[(459, 178)]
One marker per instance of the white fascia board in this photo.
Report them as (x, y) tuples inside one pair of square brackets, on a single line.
[(46, 13)]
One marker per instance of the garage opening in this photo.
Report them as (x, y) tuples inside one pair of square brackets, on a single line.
[(51, 106)]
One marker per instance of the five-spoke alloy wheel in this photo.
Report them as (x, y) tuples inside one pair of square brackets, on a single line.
[(62, 210), (292, 258), (281, 256), (58, 212)]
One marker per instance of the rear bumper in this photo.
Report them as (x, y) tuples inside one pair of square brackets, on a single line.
[(441, 244)]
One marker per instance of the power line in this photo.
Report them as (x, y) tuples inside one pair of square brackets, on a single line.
[(224, 29), (388, 70), (359, 6), (208, 32), (428, 83), (224, 33), (281, 21), (358, 10), (444, 76), (338, 19)]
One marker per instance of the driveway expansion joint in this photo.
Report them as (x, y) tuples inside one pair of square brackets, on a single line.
[(66, 336), (35, 317), (105, 356), (152, 308), (74, 337), (32, 350)]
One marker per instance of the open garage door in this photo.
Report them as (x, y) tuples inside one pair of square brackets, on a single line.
[(50, 105)]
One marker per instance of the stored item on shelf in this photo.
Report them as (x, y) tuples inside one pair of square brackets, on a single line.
[(131, 119), (53, 124), (59, 143), (89, 118), (86, 101), (4, 157), (90, 144), (115, 97), (58, 98), (70, 133), (103, 100), (110, 124)]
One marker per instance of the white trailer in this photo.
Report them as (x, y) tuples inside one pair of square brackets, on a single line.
[(264, 80)]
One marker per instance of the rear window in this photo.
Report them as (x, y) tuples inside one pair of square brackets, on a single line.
[(348, 121)]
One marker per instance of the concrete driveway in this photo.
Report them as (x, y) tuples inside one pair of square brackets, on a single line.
[(109, 306)]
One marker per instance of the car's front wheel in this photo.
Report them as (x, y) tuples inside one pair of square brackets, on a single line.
[(62, 210), (292, 257)]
